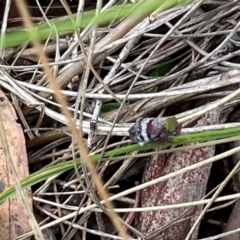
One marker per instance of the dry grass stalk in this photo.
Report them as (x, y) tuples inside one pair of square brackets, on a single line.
[(195, 45)]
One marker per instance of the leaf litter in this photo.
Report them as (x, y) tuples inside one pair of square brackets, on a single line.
[(180, 62)]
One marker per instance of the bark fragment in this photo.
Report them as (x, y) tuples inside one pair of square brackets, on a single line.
[(190, 186)]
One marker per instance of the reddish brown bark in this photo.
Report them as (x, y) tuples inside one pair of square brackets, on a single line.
[(190, 186)]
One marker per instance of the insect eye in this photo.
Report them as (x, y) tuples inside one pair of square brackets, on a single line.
[(171, 124)]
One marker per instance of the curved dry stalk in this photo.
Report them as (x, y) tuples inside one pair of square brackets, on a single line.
[(158, 67)]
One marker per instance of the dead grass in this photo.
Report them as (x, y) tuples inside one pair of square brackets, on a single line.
[(157, 65)]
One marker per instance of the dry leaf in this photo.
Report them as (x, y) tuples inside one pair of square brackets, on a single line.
[(13, 220)]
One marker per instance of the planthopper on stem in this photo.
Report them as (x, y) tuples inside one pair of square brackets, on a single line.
[(145, 130)]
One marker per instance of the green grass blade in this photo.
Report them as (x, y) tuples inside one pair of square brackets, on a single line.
[(60, 168), (15, 37)]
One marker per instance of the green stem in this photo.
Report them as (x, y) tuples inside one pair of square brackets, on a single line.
[(60, 168), (64, 25)]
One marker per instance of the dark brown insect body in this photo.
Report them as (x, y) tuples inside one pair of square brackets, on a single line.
[(147, 129)]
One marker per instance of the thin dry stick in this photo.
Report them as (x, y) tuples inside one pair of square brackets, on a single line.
[(122, 56), (144, 209), (68, 233), (105, 130), (143, 65), (4, 26), (147, 184), (212, 106), (72, 126), (215, 195), (225, 99), (170, 92), (83, 89)]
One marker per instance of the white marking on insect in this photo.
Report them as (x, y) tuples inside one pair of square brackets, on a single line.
[(144, 126)]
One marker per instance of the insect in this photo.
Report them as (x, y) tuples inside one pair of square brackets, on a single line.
[(146, 129)]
